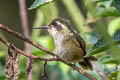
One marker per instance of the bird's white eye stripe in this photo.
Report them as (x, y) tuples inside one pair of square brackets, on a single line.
[(58, 22)]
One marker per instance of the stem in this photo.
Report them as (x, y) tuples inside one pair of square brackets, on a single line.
[(24, 21), (78, 18)]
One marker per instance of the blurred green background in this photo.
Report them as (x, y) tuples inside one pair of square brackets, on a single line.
[(97, 21)]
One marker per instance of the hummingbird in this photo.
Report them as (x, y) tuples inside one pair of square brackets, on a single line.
[(70, 46)]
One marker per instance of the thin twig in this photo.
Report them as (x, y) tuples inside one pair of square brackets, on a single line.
[(18, 35), (29, 67), (44, 73), (98, 71)]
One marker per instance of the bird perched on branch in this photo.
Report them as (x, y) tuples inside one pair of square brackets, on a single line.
[(69, 45)]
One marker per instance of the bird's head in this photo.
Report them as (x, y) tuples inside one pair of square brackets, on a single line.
[(58, 26)]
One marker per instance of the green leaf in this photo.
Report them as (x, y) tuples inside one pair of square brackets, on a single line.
[(99, 46), (105, 12), (117, 37), (45, 41), (113, 26), (109, 60), (100, 0), (91, 38), (113, 76), (118, 77), (116, 3), (2, 72), (2, 54), (38, 3), (65, 69)]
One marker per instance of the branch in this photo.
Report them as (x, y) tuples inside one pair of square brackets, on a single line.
[(18, 35), (26, 54), (26, 39)]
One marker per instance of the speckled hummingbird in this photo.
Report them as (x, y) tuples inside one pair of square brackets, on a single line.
[(69, 45)]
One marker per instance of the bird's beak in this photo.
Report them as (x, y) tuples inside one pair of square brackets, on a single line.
[(41, 27)]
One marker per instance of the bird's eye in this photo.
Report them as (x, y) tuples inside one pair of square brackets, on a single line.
[(55, 24)]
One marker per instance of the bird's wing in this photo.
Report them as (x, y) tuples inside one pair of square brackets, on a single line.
[(80, 42)]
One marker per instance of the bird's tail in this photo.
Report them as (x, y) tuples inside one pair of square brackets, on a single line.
[(86, 63)]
